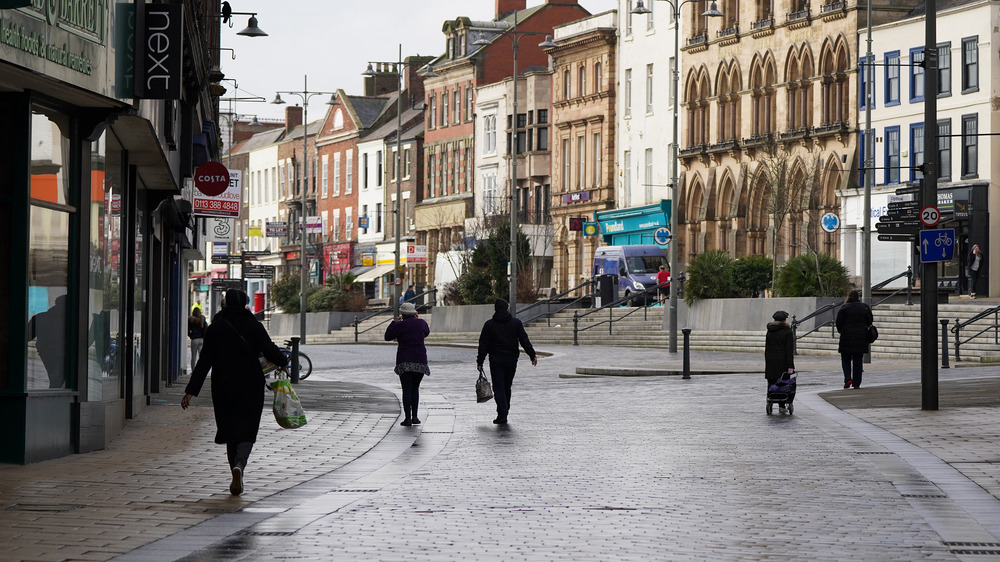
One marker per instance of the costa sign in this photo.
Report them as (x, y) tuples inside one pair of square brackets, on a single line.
[(211, 178)]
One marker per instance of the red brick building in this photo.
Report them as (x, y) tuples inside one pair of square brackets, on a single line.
[(446, 200)]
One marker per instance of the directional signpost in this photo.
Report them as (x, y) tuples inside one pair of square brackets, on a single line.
[(902, 222)]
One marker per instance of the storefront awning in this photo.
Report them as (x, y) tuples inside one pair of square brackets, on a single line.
[(139, 138), (374, 273)]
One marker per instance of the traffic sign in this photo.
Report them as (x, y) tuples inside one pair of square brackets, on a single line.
[(661, 236), (590, 229), (830, 222), (902, 205), (897, 237), (896, 222), (908, 189), (937, 245), (930, 216)]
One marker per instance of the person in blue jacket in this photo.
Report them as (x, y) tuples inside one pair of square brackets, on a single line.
[(499, 339)]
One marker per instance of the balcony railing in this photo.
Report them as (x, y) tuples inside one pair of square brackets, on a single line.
[(697, 40), (762, 24), (830, 128), (692, 150), (735, 30), (798, 16), (832, 7), (724, 146), (794, 135)]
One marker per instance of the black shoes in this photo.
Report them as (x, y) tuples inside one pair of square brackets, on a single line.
[(415, 421), (407, 422), (500, 421), (236, 487)]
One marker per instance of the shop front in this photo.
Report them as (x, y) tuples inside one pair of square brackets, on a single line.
[(90, 233), (635, 225)]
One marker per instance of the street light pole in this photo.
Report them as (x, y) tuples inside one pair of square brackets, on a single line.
[(398, 167), (305, 94), (515, 37), (714, 12)]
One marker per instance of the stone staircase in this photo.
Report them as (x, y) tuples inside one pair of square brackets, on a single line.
[(898, 325)]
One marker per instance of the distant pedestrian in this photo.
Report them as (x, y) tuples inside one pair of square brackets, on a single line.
[(499, 339), (409, 295), (977, 262), (196, 332), (662, 276), (409, 332), (779, 350), (853, 320), (232, 345)]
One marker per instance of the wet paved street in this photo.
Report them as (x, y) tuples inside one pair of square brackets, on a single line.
[(617, 468)]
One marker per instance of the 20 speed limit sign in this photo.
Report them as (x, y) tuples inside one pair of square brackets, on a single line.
[(930, 216)]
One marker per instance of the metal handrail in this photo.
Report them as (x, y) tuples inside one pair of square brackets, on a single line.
[(611, 307), (995, 326), (550, 300), (358, 321), (909, 286)]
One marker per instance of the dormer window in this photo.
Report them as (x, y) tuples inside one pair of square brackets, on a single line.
[(451, 47)]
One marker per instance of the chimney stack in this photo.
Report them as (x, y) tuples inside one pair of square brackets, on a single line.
[(293, 117), (505, 7)]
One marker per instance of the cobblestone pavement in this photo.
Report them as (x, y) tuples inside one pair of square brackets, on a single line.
[(590, 468)]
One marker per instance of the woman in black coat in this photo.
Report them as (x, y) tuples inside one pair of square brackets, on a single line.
[(232, 345), (779, 350), (853, 320)]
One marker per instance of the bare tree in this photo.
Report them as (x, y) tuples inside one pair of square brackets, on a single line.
[(790, 181)]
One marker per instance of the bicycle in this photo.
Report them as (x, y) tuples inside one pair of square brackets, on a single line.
[(305, 364)]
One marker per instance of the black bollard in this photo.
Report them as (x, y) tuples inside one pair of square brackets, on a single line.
[(944, 343), (295, 360), (687, 352)]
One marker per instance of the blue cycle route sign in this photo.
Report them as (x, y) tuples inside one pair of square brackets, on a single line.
[(830, 222), (661, 236), (937, 245)]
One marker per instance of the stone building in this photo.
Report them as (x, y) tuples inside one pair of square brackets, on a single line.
[(769, 97)]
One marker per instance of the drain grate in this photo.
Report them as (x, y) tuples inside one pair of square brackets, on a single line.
[(924, 495), (350, 491), (874, 453), (973, 548), (266, 533)]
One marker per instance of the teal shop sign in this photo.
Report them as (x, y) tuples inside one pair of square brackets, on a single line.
[(635, 225)]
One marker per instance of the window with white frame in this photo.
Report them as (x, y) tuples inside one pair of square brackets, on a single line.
[(379, 170), (336, 174), (627, 183), (335, 230), (349, 173), (598, 149), (490, 134), (649, 88), (581, 156), (566, 165), (490, 204), (326, 176), (649, 175), (444, 109), (348, 224), (628, 92)]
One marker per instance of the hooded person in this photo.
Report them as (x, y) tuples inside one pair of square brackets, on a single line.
[(233, 343), (499, 340), (779, 349)]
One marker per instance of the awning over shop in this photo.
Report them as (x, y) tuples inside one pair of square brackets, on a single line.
[(374, 273)]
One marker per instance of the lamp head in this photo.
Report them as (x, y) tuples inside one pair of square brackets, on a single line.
[(278, 100), (640, 8), (713, 11), (369, 72), (549, 43), (481, 41), (333, 100), (252, 30)]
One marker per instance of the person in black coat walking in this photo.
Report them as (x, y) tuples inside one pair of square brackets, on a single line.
[(499, 340), (853, 320), (779, 350), (232, 345)]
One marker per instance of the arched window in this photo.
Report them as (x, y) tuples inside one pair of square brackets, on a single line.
[(582, 80), (598, 77)]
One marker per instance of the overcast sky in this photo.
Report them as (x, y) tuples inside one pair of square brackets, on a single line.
[(332, 42)]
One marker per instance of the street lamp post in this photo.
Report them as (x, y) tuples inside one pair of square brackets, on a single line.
[(713, 11), (515, 37), (304, 94), (398, 209)]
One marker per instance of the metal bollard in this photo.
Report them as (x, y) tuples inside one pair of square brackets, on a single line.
[(295, 359), (355, 328), (687, 352), (576, 327), (944, 343)]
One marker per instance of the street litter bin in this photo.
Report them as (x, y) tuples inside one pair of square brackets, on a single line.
[(607, 289)]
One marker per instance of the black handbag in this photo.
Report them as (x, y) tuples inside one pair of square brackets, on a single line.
[(872, 333)]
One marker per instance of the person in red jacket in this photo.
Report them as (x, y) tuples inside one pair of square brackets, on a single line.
[(499, 340), (662, 276)]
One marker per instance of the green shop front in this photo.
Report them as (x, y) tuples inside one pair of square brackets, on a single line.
[(635, 225)]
